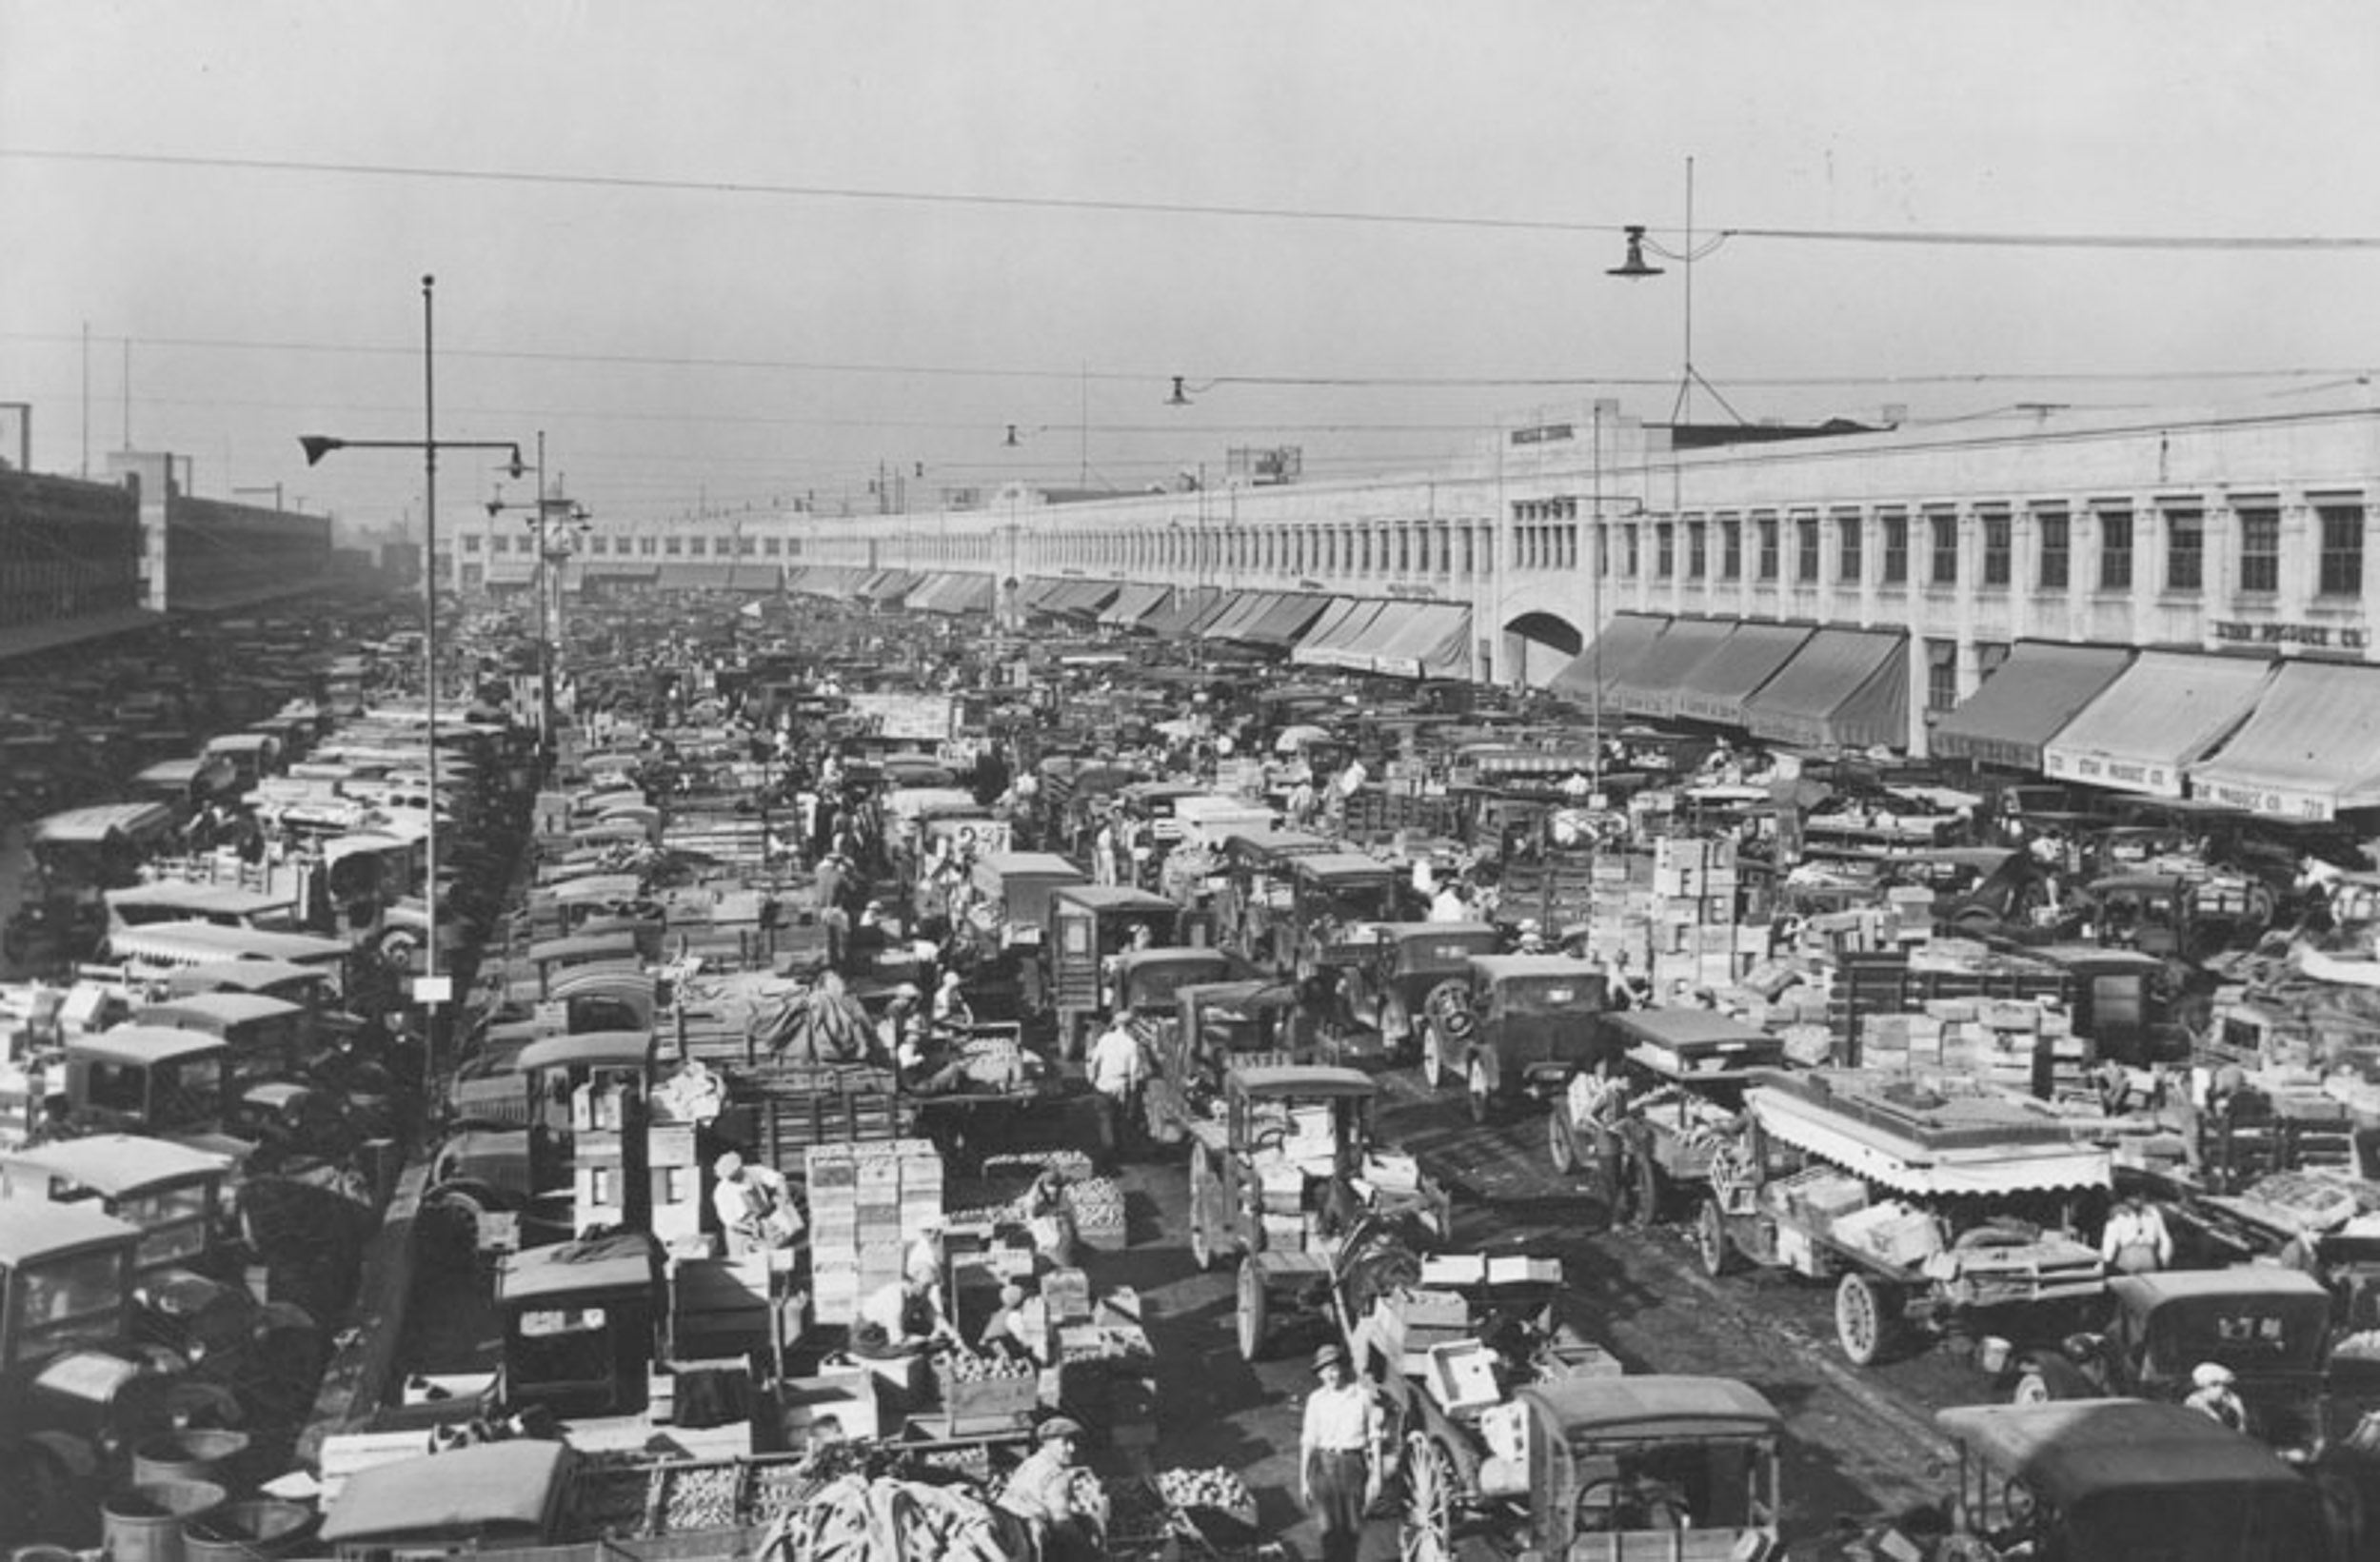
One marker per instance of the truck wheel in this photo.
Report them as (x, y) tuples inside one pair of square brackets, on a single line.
[(1558, 1146), (1253, 1304), (1646, 1209), (1864, 1310), (1711, 1242), (1428, 1533), (1476, 1094)]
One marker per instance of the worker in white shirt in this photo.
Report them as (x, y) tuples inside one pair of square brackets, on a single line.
[(1448, 904), (1338, 1454), (2134, 1240), (755, 1208), (1118, 1069)]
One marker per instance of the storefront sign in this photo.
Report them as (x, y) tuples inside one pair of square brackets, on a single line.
[(2103, 770), (1544, 434), (2323, 636), (2270, 801)]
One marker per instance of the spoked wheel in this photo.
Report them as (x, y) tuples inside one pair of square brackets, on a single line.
[(1428, 1533), (1476, 1096), (1253, 1319), (1864, 1310), (1558, 1146), (2033, 1388), (1711, 1239)]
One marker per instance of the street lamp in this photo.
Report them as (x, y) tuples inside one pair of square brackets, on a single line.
[(1634, 269), (431, 989)]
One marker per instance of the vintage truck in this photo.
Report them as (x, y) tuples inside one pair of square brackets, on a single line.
[(1285, 1177), (1385, 983), (1909, 1200), (2127, 1480), (1687, 1071), (1519, 1026)]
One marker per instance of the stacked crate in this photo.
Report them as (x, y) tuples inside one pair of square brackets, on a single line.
[(1620, 916), (868, 1202), (1697, 942)]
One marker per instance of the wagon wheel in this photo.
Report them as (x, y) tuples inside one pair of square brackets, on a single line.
[(1644, 1208), (1711, 1242), (1428, 1533), (1864, 1311), (1478, 1095), (1559, 1148), (1253, 1305)]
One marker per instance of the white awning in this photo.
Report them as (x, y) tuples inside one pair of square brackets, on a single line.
[(1987, 1170)]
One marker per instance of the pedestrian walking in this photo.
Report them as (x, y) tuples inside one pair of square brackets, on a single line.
[(1338, 1454)]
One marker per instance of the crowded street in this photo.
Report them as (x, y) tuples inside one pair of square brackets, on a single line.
[(1342, 784)]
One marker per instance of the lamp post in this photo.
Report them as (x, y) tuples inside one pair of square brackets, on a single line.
[(1635, 268), (430, 990)]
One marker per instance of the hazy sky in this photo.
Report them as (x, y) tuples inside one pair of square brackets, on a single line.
[(722, 251)]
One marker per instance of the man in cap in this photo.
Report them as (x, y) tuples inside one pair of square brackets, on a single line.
[(755, 1208), (1338, 1454), (2213, 1393), (1042, 1492)]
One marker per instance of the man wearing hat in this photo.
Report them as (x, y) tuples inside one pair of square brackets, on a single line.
[(755, 1208), (1338, 1454), (1040, 1491), (2213, 1394)]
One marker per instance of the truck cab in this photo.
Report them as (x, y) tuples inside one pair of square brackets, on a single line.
[(2127, 1480), (582, 1325), (1523, 1026)]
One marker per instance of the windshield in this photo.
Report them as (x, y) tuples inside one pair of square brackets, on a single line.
[(186, 1095), (1157, 987), (65, 1302), (1546, 994)]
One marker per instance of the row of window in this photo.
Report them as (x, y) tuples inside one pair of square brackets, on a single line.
[(603, 545), (1728, 549)]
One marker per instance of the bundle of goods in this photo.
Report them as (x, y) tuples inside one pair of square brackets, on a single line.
[(855, 1519)]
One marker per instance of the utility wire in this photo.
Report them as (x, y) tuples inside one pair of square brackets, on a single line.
[(1955, 238)]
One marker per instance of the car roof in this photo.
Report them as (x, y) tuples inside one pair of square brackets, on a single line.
[(512, 1484), (147, 1043), (1653, 1406), (2071, 1451), (2245, 1282), (110, 1164), (1509, 967), (38, 1228), (1302, 1080)]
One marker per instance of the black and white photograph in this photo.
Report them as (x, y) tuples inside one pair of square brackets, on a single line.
[(1581, 781)]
